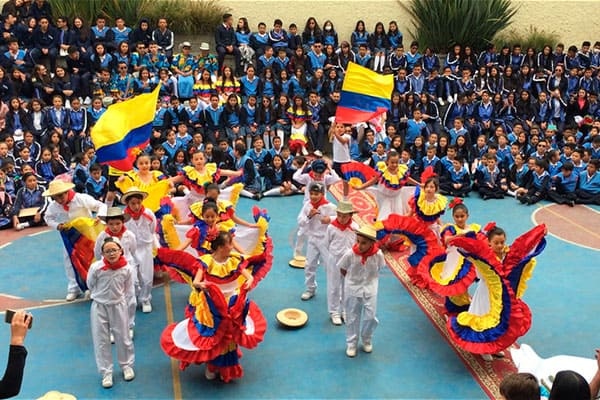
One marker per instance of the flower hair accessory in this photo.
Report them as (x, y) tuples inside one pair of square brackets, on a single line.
[(428, 173), (455, 201)]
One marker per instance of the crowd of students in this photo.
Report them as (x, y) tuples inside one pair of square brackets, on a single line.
[(502, 123)]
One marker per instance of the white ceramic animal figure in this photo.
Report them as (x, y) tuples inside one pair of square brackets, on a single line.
[(545, 369)]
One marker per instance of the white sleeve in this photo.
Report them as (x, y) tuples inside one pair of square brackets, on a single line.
[(51, 216)]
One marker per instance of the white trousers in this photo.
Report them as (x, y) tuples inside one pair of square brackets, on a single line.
[(145, 271), (72, 286), (358, 308), (106, 318), (335, 287), (316, 253)]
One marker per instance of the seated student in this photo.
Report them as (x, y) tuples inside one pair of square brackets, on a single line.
[(563, 185), (456, 181), (431, 160), (278, 178), (538, 186), (250, 176), (29, 197), (588, 187), (259, 154), (518, 176), (96, 184), (378, 155), (490, 180)]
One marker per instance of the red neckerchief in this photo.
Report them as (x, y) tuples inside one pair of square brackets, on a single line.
[(137, 215), (70, 196), (363, 256), (121, 262), (319, 203), (341, 226), (118, 234)]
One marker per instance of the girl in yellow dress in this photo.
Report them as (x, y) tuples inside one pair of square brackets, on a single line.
[(155, 183)]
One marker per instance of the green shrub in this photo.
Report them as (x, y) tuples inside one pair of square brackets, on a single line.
[(189, 17), (130, 10), (185, 16), (532, 37), (441, 24)]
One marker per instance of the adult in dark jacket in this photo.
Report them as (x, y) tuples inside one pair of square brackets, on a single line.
[(225, 42), (13, 376)]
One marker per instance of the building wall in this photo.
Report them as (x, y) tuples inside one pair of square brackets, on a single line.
[(562, 16)]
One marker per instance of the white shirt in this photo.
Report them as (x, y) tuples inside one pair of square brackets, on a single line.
[(128, 243), (144, 228), (361, 280), (313, 226), (82, 205), (339, 241), (341, 151), (109, 286)]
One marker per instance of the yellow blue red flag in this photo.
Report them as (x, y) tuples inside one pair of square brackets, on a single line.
[(365, 95), (124, 129)]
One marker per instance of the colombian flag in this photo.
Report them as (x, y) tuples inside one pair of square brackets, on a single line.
[(124, 129), (365, 95), (79, 239)]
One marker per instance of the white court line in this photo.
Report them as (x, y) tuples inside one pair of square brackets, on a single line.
[(10, 296), (51, 303), (591, 209), (5, 245), (556, 236), (37, 233)]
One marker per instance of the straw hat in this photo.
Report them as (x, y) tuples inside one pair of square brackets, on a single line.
[(58, 186), (133, 191), (56, 395), (297, 262), (204, 46), (345, 207), (367, 231), (113, 212), (292, 317), (185, 44)]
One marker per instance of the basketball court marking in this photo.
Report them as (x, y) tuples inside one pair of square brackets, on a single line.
[(174, 363), (548, 208)]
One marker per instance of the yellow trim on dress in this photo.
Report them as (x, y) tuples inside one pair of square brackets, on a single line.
[(387, 176), (431, 207), (481, 323)]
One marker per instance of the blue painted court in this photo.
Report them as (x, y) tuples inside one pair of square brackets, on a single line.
[(410, 360)]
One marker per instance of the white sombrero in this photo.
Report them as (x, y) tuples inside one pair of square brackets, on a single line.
[(58, 186), (292, 317), (133, 191), (113, 212)]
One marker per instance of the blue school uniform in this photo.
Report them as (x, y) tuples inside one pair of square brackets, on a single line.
[(565, 184), (96, 188), (249, 87), (415, 129), (171, 149), (590, 184), (426, 162)]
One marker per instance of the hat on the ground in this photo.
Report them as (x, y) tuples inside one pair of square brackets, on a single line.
[(345, 207), (114, 212), (185, 44), (367, 231), (292, 317), (133, 191), (297, 262), (204, 46), (58, 186), (56, 395), (318, 166)]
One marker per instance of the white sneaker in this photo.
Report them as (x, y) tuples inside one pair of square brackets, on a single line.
[(128, 374), (131, 333), (107, 381), (487, 357), (87, 101), (318, 153), (112, 338), (304, 151), (22, 226), (146, 307), (441, 101), (209, 375), (367, 347), (336, 320), (71, 296), (307, 295), (450, 99), (87, 294), (351, 351)]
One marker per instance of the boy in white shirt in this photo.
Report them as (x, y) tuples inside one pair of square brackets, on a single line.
[(313, 219), (360, 267)]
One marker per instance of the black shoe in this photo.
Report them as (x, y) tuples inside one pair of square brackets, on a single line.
[(257, 196), (571, 203), (486, 197), (522, 199)]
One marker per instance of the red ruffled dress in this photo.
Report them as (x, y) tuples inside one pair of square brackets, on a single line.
[(218, 320)]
